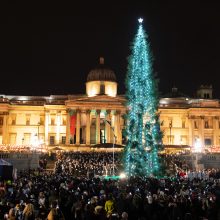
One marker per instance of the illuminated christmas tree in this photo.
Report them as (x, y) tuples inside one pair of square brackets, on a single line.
[(143, 127)]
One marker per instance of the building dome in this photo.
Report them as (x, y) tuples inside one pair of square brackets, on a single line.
[(101, 73), (101, 81)]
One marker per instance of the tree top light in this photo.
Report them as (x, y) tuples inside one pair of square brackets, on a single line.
[(140, 20)]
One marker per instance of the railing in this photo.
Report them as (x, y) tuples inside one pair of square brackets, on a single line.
[(212, 148)]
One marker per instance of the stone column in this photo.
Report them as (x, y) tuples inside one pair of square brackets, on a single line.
[(191, 129), (88, 127), (115, 126), (119, 132), (107, 126), (46, 127), (67, 126), (5, 128), (58, 119), (215, 131), (201, 131), (98, 126), (78, 117)]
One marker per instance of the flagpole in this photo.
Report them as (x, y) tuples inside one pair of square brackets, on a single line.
[(113, 158), (113, 153)]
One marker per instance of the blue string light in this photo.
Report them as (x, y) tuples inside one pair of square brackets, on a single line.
[(143, 132)]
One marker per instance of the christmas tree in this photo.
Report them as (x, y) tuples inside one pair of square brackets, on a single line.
[(143, 127)]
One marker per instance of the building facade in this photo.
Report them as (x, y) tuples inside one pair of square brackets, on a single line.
[(98, 116)]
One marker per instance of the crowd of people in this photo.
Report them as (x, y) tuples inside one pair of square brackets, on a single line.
[(13, 148), (89, 164), (70, 192)]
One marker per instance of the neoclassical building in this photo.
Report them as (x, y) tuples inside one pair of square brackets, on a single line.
[(98, 116)]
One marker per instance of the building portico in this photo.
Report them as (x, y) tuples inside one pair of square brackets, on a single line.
[(91, 114)]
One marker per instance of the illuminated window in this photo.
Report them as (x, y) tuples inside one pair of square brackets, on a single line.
[(52, 121), (206, 124), (52, 140), (208, 141), (170, 139), (63, 139)]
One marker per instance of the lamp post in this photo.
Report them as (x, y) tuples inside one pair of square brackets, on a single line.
[(38, 125), (170, 126), (197, 153), (114, 139)]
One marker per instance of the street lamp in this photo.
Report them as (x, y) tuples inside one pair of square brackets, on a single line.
[(198, 149), (38, 125), (114, 139), (170, 126), (198, 146)]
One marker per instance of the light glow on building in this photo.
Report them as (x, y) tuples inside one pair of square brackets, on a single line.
[(197, 146)]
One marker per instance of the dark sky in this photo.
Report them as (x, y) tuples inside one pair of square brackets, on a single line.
[(50, 49)]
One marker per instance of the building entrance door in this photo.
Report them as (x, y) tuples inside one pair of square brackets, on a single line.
[(102, 136)]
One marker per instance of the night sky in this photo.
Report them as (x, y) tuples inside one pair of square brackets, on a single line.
[(51, 51)]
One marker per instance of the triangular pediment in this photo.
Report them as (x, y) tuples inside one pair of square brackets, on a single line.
[(100, 98)]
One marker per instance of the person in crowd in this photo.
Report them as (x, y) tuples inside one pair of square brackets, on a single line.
[(55, 213), (110, 205), (124, 216), (195, 195), (11, 214), (28, 212)]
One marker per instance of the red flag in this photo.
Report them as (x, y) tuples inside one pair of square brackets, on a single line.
[(72, 124)]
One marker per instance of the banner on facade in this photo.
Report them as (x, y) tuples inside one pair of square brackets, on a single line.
[(72, 123)]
